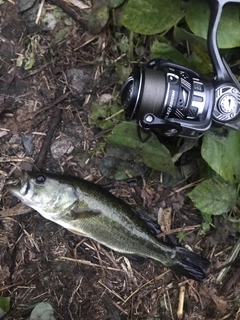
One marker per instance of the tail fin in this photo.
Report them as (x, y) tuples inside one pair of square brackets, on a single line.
[(190, 264)]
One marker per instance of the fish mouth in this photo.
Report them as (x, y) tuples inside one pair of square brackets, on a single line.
[(26, 188)]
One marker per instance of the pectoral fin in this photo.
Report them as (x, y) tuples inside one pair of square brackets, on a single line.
[(84, 213)]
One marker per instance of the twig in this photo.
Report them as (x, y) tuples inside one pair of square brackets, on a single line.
[(190, 185), (72, 296), (52, 104), (170, 306), (11, 285), (181, 302), (231, 282), (97, 249), (145, 284), (16, 159), (20, 208), (120, 308), (47, 140), (115, 114), (232, 257), (39, 11), (71, 12), (88, 263), (188, 228), (111, 291)]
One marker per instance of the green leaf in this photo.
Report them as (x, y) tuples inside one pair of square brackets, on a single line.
[(99, 113), (181, 35), (122, 72), (154, 154), (200, 60), (99, 15), (181, 235), (61, 34), (221, 150), (164, 50), (197, 18), (152, 16), (4, 305), (213, 197)]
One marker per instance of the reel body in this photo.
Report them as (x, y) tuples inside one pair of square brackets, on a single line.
[(173, 100)]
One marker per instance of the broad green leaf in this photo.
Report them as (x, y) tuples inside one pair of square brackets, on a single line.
[(4, 305), (152, 16), (181, 35), (200, 60), (197, 17), (213, 197), (154, 154), (164, 50), (221, 150), (99, 113), (187, 145)]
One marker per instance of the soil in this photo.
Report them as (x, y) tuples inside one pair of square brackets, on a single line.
[(39, 260)]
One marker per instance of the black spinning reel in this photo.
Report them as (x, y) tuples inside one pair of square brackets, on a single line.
[(169, 99)]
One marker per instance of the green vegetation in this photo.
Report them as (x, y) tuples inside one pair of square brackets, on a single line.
[(169, 29)]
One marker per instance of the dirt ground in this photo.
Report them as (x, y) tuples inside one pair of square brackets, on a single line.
[(39, 260)]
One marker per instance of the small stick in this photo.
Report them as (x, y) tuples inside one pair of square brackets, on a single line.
[(181, 302), (231, 258), (20, 208), (71, 12), (115, 114), (10, 286), (145, 284), (52, 104), (47, 140), (39, 11), (88, 263), (111, 291), (190, 185), (170, 306), (188, 228), (15, 159)]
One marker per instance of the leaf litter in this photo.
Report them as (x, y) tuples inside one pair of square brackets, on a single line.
[(41, 262)]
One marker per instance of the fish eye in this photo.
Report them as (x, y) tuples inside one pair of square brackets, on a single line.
[(40, 179)]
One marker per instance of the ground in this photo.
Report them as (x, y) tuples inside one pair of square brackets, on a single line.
[(40, 261)]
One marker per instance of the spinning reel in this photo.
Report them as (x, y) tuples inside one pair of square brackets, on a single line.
[(172, 100)]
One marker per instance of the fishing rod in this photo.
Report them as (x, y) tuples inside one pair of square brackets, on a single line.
[(169, 99)]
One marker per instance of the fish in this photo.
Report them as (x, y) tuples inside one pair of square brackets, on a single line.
[(89, 210)]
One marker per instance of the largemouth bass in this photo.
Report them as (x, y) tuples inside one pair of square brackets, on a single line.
[(89, 210)]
